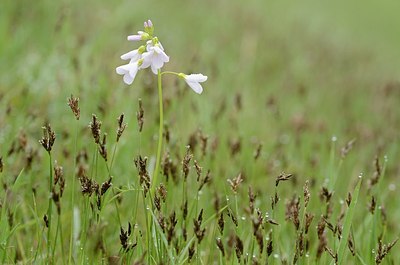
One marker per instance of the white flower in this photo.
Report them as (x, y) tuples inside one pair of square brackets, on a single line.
[(140, 36), (132, 55), (129, 71), (154, 57), (194, 80)]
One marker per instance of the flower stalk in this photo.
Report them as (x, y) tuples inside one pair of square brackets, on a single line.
[(160, 132)]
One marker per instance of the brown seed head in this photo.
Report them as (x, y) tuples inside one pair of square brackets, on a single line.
[(234, 183), (198, 170), (105, 186), (293, 210), (95, 126), (121, 126), (220, 246), (162, 191), (73, 103), (221, 223), (347, 148), (205, 180), (372, 205), (48, 138), (191, 251), (140, 115), (282, 177), (103, 147), (257, 152), (144, 177), (185, 162), (375, 177), (235, 146), (306, 192), (238, 248), (252, 198), (309, 218), (197, 227)]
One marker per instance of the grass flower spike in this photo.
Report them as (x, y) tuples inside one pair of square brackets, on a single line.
[(194, 80)]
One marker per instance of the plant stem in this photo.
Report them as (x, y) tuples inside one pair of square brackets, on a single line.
[(49, 210), (71, 245), (160, 132)]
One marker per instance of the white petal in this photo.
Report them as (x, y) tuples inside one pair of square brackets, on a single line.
[(128, 79), (131, 55), (164, 57), (134, 37), (133, 71), (154, 69), (196, 87), (157, 49), (147, 58), (196, 78), (149, 45), (157, 62), (123, 69)]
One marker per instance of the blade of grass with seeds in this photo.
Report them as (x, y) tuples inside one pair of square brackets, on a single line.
[(347, 222)]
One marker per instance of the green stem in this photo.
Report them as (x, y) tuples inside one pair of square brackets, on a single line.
[(71, 245), (49, 210), (160, 132)]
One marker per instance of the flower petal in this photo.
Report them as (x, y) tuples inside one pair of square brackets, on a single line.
[(196, 78), (154, 69), (128, 79), (123, 69), (196, 87), (132, 55)]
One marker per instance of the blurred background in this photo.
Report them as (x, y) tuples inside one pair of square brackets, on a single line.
[(290, 75)]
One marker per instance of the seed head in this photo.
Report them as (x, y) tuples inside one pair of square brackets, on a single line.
[(103, 147), (48, 138), (197, 227), (346, 149), (144, 177), (95, 126), (221, 223), (220, 246), (121, 126), (257, 152), (282, 177), (205, 180), (105, 186), (140, 116), (234, 183), (238, 248), (73, 103), (306, 192), (185, 162)]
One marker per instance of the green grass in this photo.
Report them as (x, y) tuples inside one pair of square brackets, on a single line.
[(304, 74)]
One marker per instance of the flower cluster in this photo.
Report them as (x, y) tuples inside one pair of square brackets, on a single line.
[(152, 55)]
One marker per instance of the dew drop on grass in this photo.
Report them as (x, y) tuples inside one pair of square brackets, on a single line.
[(276, 256), (243, 218), (334, 138)]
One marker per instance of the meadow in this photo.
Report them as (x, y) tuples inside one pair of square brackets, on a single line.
[(289, 156)]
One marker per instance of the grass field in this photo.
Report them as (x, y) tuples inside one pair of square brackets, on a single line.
[(294, 143)]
